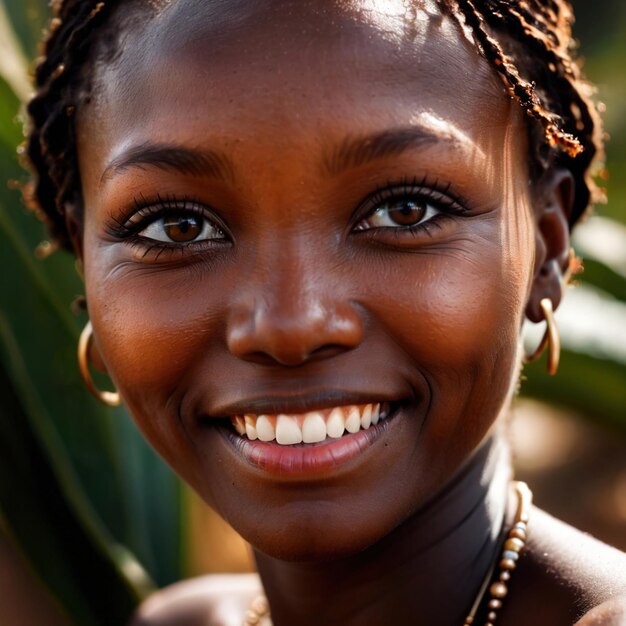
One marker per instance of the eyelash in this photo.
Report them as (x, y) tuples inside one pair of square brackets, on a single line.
[(431, 192), (147, 210)]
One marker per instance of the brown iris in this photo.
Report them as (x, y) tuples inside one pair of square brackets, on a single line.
[(405, 212), (182, 228)]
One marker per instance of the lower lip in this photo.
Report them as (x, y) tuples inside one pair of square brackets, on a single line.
[(306, 460)]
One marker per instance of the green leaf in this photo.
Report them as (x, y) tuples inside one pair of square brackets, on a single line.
[(136, 496), (605, 278), (13, 65), (47, 515), (585, 385), (28, 19)]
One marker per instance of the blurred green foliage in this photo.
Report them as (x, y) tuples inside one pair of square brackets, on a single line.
[(58, 444), (77, 482), (601, 28)]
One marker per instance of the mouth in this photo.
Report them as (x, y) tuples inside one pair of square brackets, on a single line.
[(309, 444), (311, 427)]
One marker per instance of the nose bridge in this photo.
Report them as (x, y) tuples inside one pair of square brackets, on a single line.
[(292, 308)]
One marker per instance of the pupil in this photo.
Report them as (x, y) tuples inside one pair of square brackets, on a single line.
[(406, 213), (182, 228)]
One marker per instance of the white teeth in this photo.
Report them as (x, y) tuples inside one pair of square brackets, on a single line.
[(375, 414), (366, 417), (265, 428), (335, 423), (240, 425), (313, 428), (353, 421), (287, 431), (250, 421)]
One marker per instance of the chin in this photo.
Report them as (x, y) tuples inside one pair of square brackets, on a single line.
[(313, 547), (308, 537)]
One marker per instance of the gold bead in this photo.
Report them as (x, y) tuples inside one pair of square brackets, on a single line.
[(492, 616), (495, 604), (505, 576), (507, 564), (518, 533), (513, 544), (252, 618), (469, 620), (498, 590), (488, 624)]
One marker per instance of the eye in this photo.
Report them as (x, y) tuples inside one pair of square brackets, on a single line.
[(181, 227), (403, 212)]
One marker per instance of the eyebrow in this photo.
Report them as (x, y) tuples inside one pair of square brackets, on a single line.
[(351, 152), (196, 162), (355, 151)]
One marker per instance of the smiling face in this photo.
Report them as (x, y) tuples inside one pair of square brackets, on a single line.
[(293, 207)]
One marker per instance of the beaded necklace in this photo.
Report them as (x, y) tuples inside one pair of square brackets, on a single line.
[(258, 614)]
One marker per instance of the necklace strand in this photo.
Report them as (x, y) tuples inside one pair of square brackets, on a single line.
[(258, 613)]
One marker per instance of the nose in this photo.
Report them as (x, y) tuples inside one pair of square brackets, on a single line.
[(289, 325)]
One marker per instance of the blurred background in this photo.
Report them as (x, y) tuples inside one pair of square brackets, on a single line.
[(86, 505)]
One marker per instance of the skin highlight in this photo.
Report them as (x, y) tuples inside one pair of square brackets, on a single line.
[(286, 151)]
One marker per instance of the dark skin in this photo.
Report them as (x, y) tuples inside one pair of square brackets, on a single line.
[(309, 123)]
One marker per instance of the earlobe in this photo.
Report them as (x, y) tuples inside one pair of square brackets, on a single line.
[(552, 242)]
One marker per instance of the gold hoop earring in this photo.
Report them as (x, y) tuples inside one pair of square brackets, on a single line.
[(111, 398), (550, 338)]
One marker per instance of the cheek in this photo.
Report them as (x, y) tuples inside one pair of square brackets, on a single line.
[(458, 316), (152, 329), (459, 304)]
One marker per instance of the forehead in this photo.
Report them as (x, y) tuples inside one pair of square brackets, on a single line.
[(223, 69)]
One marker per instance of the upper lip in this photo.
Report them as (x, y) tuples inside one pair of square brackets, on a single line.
[(303, 403)]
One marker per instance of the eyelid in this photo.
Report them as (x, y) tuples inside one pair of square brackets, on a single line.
[(162, 205), (441, 195), (146, 210)]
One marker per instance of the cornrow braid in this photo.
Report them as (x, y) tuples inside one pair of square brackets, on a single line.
[(523, 90), (528, 42), (51, 143), (569, 119)]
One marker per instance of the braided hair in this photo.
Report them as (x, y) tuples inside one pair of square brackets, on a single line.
[(528, 42)]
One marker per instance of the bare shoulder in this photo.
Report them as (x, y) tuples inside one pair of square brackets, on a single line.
[(569, 577), (219, 600)]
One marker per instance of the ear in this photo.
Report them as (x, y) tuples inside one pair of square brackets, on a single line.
[(553, 207)]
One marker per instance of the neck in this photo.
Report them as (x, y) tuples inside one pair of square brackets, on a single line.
[(427, 571)]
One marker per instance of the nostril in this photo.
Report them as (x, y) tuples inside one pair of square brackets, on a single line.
[(263, 358), (297, 331), (293, 359), (328, 351)]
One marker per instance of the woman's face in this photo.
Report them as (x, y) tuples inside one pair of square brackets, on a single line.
[(297, 206)]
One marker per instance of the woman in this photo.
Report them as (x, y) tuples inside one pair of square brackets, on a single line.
[(310, 233)]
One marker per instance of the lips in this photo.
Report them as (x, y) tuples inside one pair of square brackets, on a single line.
[(311, 444), (310, 427)]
